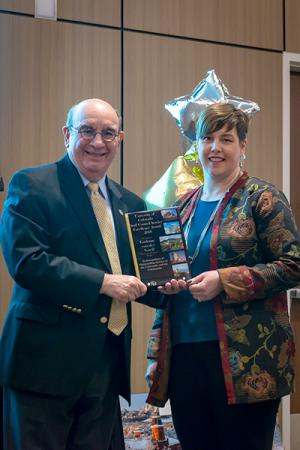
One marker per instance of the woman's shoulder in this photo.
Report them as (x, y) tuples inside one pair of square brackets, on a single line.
[(263, 196), (258, 185)]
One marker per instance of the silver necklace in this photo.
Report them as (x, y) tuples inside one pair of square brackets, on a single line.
[(209, 222), (205, 229)]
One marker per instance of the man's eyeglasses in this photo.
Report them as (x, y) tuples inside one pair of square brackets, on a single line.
[(89, 134)]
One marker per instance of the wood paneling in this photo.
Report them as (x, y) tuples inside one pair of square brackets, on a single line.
[(295, 139), (157, 70), (21, 6), (295, 204), (161, 69), (105, 12), (292, 28), (257, 23), (45, 68)]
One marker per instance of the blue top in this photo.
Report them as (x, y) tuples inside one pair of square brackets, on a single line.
[(192, 321)]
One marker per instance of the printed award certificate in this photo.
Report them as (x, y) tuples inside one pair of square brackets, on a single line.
[(158, 246)]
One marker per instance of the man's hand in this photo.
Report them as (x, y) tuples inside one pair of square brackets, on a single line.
[(125, 288), (205, 286), (173, 287)]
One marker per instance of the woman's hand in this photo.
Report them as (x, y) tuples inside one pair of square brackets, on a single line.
[(173, 287), (205, 286), (150, 372)]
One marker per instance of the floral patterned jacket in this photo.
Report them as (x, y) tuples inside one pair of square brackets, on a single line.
[(255, 247)]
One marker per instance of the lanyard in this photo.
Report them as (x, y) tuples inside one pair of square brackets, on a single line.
[(205, 229)]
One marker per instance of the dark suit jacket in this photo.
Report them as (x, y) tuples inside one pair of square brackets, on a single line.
[(56, 325)]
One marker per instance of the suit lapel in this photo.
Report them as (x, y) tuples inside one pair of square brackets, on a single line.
[(73, 187)]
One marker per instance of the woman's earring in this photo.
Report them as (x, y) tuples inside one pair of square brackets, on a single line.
[(242, 159)]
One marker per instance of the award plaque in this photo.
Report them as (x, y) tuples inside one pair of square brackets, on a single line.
[(158, 246)]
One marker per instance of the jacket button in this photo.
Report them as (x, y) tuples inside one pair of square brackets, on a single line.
[(103, 319)]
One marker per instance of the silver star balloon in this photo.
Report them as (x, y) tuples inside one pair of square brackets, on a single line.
[(211, 89)]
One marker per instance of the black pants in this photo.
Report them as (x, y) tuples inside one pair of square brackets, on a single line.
[(86, 421), (202, 418)]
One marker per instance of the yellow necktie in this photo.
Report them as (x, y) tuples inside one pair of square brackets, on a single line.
[(118, 313)]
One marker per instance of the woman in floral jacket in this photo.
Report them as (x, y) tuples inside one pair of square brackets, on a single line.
[(223, 350)]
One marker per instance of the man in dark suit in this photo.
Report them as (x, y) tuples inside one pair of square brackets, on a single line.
[(61, 366)]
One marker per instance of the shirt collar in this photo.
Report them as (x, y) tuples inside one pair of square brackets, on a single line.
[(101, 183)]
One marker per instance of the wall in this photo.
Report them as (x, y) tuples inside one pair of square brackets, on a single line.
[(138, 54), (295, 203)]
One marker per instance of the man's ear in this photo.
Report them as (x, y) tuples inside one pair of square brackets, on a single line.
[(66, 133), (121, 136)]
